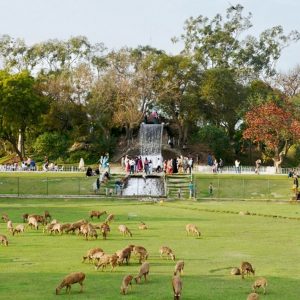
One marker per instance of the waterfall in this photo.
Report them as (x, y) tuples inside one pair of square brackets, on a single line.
[(150, 186), (150, 146), (150, 142)]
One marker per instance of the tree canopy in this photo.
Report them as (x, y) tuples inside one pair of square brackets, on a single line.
[(222, 84)]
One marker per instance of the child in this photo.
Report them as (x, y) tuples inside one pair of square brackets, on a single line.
[(179, 193), (210, 189), (191, 189)]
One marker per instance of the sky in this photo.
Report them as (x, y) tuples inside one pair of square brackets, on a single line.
[(119, 23)]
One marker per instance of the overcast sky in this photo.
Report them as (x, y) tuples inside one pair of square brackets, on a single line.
[(119, 23)]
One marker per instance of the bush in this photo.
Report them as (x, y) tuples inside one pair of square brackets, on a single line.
[(293, 156), (88, 157), (51, 144)]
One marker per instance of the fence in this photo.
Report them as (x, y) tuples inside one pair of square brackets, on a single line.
[(245, 170), (46, 186), (277, 188), (197, 169), (244, 189)]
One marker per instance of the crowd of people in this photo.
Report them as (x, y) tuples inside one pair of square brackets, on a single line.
[(25, 165), (217, 166), (134, 165)]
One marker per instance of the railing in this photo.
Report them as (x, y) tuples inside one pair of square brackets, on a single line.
[(244, 170), (197, 169), (66, 186), (58, 168), (238, 188)]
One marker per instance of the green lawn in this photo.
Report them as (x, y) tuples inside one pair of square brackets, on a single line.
[(250, 187), (34, 263)]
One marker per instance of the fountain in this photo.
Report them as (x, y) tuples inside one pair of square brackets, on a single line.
[(150, 136)]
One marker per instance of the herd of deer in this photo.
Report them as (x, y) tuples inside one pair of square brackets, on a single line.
[(101, 260)]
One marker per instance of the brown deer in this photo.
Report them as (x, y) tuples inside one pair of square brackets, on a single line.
[(177, 287), (260, 283), (246, 268), (71, 279), (97, 213), (144, 271), (168, 251), (125, 283)]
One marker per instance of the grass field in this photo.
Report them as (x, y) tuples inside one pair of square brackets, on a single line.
[(250, 187), (34, 263)]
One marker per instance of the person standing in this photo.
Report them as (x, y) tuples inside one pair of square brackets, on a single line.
[(295, 185), (191, 189), (210, 161), (174, 166), (210, 189), (190, 165), (81, 165), (146, 166), (237, 166), (150, 165), (257, 166), (132, 165), (220, 165)]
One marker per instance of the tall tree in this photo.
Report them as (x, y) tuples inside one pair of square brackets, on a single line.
[(133, 83), (49, 56), (222, 42), (101, 106), (175, 88), (224, 97), (67, 92), (21, 106)]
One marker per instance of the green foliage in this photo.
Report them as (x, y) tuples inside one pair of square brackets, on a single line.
[(89, 157), (224, 97), (293, 156), (217, 43), (102, 144), (92, 92), (51, 144), (259, 92), (176, 91), (21, 106), (217, 140)]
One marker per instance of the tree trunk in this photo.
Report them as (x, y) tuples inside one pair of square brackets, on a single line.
[(278, 161), (15, 147), (185, 134), (128, 130)]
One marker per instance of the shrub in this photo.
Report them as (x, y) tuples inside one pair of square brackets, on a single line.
[(51, 144)]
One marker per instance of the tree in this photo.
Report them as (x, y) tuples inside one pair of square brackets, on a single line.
[(175, 89), (289, 83), (224, 98), (67, 113), (218, 43), (16, 55), (21, 107), (49, 56), (101, 106), (133, 82), (274, 127)]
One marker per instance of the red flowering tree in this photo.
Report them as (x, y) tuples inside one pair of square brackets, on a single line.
[(273, 126)]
